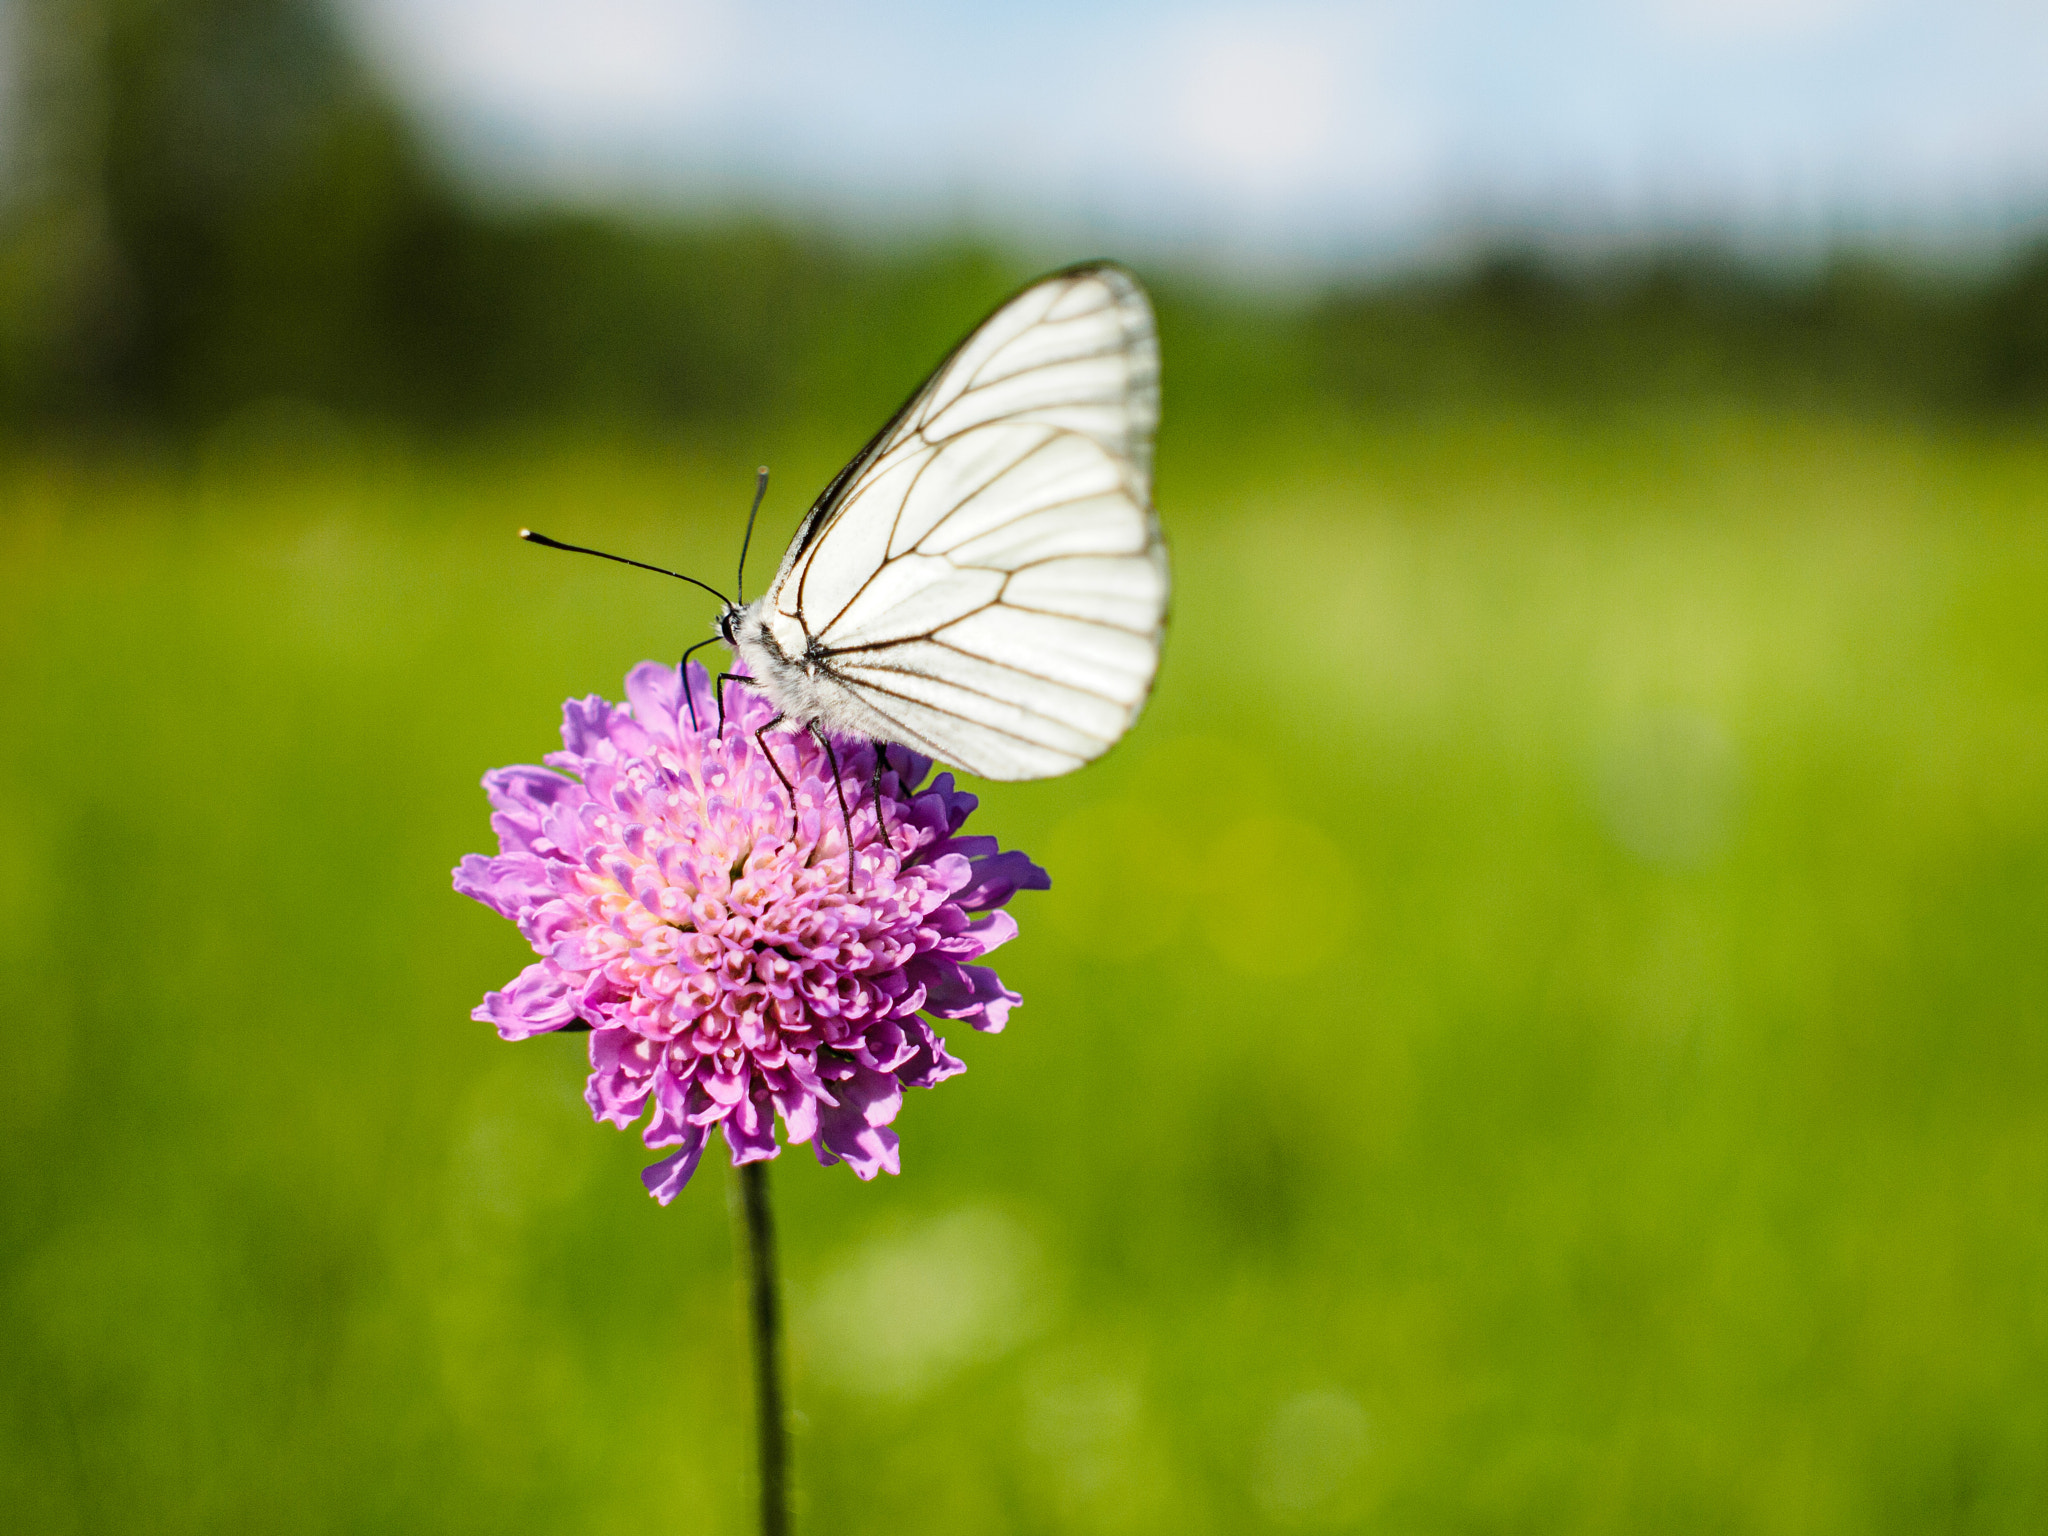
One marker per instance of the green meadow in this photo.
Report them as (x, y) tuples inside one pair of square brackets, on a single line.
[(1543, 1027)]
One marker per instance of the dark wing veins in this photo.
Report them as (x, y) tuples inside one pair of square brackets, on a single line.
[(889, 560), (825, 509)]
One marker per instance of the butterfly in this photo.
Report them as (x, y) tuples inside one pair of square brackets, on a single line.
[(985, 582)]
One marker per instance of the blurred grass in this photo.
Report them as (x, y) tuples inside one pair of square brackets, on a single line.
[(1541, 1027)]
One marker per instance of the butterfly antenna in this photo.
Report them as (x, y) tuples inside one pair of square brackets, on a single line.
[(577, 549), (760, 490)]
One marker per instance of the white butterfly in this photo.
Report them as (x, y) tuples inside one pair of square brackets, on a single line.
[(985, 582)]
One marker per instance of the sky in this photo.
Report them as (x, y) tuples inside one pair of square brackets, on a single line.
[(1271, 134)]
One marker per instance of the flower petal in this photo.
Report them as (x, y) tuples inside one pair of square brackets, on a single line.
[(998, 877), (656, 695), (855, 1131), (930, 1063), (665, 1179), (537, 1001), (621, 1076), (750, 1129)]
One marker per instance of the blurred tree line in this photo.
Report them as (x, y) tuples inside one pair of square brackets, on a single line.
[(213, 202)]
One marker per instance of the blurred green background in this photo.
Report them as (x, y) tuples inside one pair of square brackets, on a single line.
[(1541, 1028)]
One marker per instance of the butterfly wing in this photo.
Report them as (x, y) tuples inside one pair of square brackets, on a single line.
[(986, 581)]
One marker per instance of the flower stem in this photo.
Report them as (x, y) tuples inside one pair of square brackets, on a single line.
[(764, 1309)]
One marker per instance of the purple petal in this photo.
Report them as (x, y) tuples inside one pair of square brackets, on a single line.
[(536, 1002), (909, 767), (750, 1130), (999, 877), (956, 804), (885, 1047), (665, 1179), (970, 992), (493, 883), (587, 725), (621, 1076), (993, 930), (930, 1063), (520, 799), (656, 694), (681, 1106), (855, 1131), (799, 1116)]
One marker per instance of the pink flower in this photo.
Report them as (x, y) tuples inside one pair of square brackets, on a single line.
[(725, 965)]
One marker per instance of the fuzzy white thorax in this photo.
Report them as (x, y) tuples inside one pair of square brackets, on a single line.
[(772, 647)]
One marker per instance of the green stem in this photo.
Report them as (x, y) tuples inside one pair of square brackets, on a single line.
[(764, 1308)]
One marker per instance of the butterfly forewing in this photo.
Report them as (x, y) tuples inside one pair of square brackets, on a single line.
[(987, 577)]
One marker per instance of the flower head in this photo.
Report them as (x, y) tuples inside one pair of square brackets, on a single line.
[(727, 966)]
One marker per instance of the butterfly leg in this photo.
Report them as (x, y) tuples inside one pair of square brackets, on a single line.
[(733, 677), (839, 785), (761, 741), (875, 792), (683, 677)]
